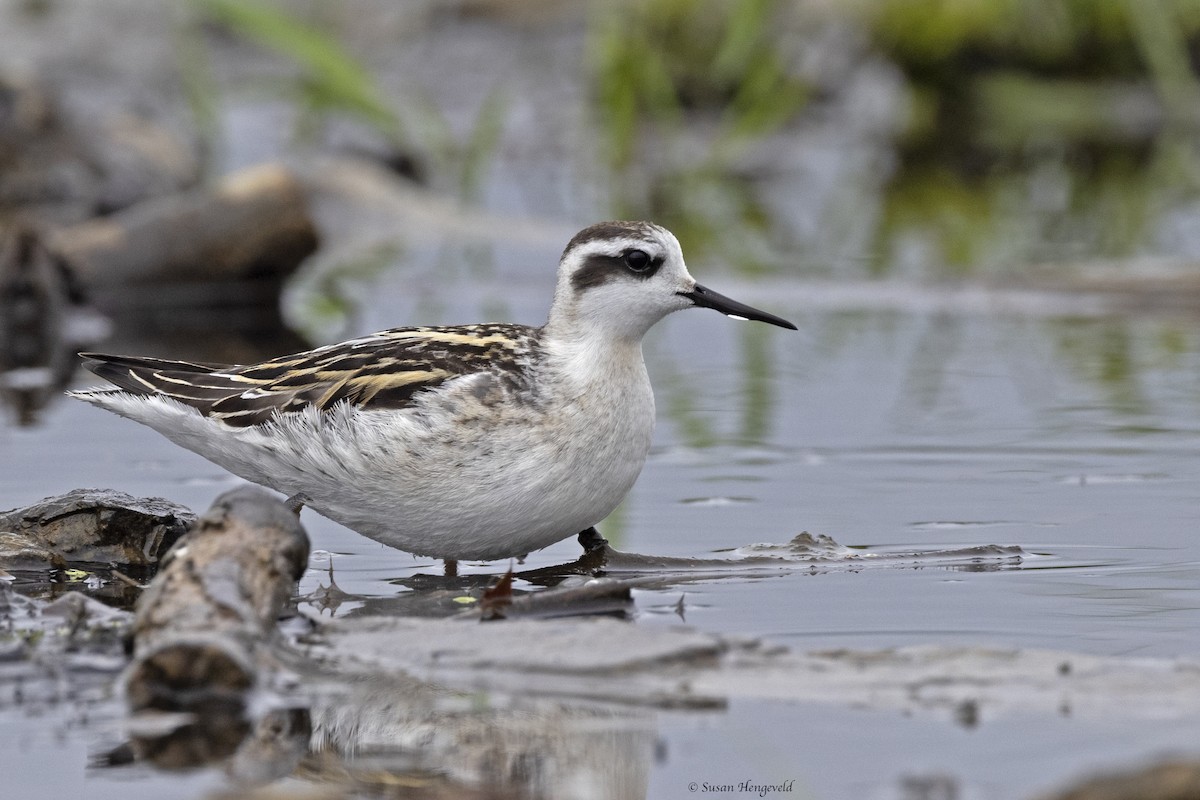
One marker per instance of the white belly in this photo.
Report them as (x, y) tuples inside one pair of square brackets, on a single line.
[(458, 480), (493, 493)]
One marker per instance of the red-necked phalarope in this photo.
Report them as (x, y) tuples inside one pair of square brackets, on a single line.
[(465, 442)]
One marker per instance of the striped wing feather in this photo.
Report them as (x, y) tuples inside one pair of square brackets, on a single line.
[(384, 370)]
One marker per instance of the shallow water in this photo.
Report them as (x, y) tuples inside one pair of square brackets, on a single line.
[(1075, 439), (899, 418)]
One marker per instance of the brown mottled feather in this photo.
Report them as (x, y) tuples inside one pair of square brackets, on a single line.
[(385, 370)]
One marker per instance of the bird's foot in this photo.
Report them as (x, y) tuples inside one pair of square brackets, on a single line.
[(591, 540)]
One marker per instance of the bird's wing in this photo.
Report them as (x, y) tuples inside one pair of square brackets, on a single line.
[(382, 371)]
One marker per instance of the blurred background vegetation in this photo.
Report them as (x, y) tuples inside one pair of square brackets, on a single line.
[(975, 136), (901, 138)]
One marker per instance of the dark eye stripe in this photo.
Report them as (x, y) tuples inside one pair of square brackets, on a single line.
[(599, 269)]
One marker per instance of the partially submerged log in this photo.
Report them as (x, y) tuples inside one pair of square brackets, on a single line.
[(203, 624), (253, 225)]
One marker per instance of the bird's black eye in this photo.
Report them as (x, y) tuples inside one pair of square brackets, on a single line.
[(637, 260)]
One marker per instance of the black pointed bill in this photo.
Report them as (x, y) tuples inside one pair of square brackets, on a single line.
[(707, 298)]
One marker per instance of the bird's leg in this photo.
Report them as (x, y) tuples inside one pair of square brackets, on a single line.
[(296, 502), (450, 566), (591, 540)]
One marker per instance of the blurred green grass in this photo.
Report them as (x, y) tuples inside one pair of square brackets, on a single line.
[(1001, 98)]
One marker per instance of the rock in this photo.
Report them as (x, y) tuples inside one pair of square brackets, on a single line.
[(98, 525), (18, 552)]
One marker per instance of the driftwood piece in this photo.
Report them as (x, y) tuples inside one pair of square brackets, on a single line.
[(99, 525), (202, 625), (254, 224)]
